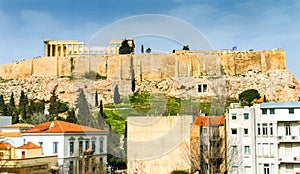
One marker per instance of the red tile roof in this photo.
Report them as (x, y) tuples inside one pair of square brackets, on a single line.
[(29, 145), (5, 146), (19, 125), (210, 120), (10, 134), (61, 127)]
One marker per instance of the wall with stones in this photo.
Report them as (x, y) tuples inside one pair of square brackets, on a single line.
[(151, 66)]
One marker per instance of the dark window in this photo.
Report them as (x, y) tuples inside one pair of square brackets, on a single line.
[(246, 131), (291, 110), (288, 129), (199, 88), (87, 144), (271, 128), (246, 116), (55, 144), (233, 116), (93, 146), (71, 147), (266, 169), (101, 146), (264, 111), (205, 88), (71, 167), (265, 128), (80, 146), (258, 129), (272, 111), (234, 131)]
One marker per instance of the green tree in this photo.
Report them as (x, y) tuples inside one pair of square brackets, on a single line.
[(56, 107), (96, 99), (247, 97), (117, 98), (132, 74), (84, 115), (12, 101), (3, 107), (125, 48), (71, 116), (140, 101), (173, 106)]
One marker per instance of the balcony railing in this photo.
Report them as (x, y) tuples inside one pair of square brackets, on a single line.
[(288, 139)]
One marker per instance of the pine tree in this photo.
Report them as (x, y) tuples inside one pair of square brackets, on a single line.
[(12, 101), (117, 99), (96, 99), (71, 116), (3, 107), (84, 115)]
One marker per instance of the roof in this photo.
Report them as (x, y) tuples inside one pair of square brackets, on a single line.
[(61, 127), (19, 125), (280, 105), (10, 134), (210, 120), (5, 146), (29, 145)]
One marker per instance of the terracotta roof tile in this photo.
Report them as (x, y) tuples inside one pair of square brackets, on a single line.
[(212, 120), (5, 146), (19, 125), (29, 145), (61, 127), (10, 134)]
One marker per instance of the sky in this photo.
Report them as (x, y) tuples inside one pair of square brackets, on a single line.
[(249, 24)]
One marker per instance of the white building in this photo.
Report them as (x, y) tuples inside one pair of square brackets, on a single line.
[(80, 149), (274, 136), (240, 140)]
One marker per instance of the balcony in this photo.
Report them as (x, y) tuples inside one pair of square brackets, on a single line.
[(289, 139), (289, 159)]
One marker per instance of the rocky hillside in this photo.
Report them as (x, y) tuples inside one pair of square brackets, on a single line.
[(277, 85)]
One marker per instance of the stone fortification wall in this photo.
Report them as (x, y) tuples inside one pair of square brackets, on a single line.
[(151, 66)]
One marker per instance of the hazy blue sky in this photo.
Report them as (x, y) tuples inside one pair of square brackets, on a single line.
[(252, 24)]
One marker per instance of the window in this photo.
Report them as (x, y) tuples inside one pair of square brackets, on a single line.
[(272, 111), (265, 128), (246, 116), (234, 131), (234, 149), (287, 129), (245, 131), (248, 170), (233, 116), (259, 147), (93, 146), (55, 147), (87, 144), (1, 154), (272, 149), (80, 146), (203, 88), (264, 111), (101, 146), (204, 130), (266, 149), (266, 169), (71, 167), (71, 146), (258, 129), (247, 149), (291, 110), (271, 128)]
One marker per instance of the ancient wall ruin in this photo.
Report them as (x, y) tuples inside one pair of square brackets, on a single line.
[(150, 66)]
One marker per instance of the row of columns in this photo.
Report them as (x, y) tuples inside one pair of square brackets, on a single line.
[(54, 50)]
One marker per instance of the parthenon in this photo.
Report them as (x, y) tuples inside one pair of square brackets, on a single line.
[(61, 48)]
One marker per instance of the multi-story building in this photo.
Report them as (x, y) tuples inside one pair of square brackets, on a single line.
[(274, 138), (211, 144), (80, 149), (27, 158), (240, 140)]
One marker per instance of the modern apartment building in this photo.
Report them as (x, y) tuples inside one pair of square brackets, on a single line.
[(273, 140)]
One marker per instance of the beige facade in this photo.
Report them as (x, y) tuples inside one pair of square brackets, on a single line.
[(158, 144)]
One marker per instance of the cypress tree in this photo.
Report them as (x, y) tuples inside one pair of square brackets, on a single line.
[(96, 99), (3, 107)]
